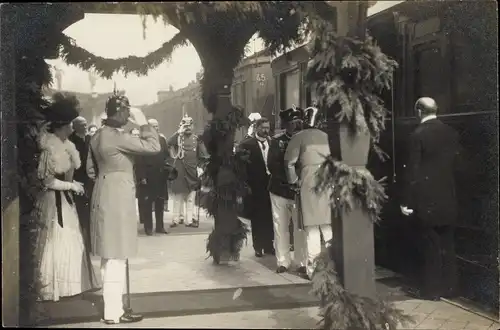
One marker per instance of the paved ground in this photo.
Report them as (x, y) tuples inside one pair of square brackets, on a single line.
[(428, 315), (178, 262)]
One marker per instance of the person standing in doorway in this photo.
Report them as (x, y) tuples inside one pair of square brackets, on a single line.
[(258, 204), (307, 150), (81, 140), (152, 185), (429, 196), (188, 152), (282, 195), (113, 214)]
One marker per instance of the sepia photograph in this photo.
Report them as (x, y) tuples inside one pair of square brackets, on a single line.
[(250, 164)]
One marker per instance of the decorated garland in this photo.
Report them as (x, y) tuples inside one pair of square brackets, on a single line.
[(75, 55), (347, 74), (228, 195), (351, 187)]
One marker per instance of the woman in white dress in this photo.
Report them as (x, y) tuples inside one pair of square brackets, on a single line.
[(64, 263)]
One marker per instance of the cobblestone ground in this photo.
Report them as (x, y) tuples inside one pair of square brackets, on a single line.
[(178, 262)]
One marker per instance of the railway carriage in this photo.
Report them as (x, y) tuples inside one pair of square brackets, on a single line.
[(446, 50)]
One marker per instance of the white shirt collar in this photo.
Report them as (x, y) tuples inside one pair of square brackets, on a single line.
[(427, 118)]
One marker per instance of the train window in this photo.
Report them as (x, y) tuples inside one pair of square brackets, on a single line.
[(429, 77), (292, 82)]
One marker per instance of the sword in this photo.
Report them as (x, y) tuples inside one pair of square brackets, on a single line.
[(298, 205)]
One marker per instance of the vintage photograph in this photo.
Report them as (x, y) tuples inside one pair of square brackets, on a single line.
[(250, 164)]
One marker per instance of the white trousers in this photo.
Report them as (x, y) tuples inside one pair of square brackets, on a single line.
[(313, 239), (284, 211), (184, 207), (113, 273)]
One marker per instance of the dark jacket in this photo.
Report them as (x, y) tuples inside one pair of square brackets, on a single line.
[(430, 173), (278, 183), (80, 174), (257, 178), (152, 169)]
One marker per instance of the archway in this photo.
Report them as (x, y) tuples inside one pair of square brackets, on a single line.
[(219, 50)]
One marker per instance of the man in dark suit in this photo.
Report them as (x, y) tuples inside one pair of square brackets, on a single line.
[(258, 203), (152, 186), (81, 140), (429, 195), (282, 194)]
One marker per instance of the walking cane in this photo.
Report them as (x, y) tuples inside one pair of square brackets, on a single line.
[(127, 278)]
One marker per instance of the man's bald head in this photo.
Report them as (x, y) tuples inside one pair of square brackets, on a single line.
[(426, 106), (153, 122), (80, 125)]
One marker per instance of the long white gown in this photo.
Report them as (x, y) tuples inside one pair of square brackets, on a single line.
[(64, 262)]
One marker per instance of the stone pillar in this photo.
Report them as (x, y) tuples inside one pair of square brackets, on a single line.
[(10, 200)]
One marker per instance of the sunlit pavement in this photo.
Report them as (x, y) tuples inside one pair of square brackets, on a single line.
[(179, 263)]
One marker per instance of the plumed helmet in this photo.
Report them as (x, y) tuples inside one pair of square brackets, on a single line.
[(186, 120), (291, 114), (311, 116), (116, 103)]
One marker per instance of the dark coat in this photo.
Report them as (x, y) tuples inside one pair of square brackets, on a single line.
[(278, 183), (257, 179), (82, 145), (430, 173), (152, 169)]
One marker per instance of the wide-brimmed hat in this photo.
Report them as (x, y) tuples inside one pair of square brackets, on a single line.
[(64, 108)]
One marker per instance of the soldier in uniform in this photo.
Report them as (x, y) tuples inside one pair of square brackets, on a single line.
[(283, 196), (307, 151), (188, 152)]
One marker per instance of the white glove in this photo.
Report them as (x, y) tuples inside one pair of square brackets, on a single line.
[(137, 117), (77, 187)]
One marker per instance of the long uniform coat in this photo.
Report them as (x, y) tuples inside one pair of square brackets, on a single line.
[(113, 204), (306, 152)]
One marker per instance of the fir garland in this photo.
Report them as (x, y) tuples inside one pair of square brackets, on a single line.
[(75, 55), (347, 74), (32, 73), (351, 188), (230, 194), (340, 309)]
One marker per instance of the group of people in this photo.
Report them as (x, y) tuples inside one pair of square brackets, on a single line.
[(88, 202), (95, 177), (282, 206), (282, 172)]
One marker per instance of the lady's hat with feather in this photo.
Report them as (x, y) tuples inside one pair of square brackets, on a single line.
[(63, 109)]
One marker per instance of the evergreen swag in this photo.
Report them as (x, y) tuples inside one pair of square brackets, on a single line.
[(347, 74), (32, 73), (229, 194)]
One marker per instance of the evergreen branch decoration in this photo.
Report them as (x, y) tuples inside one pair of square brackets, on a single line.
[(340, 309), (350, 187), (229, 194), (75, 55), (348, 75)]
